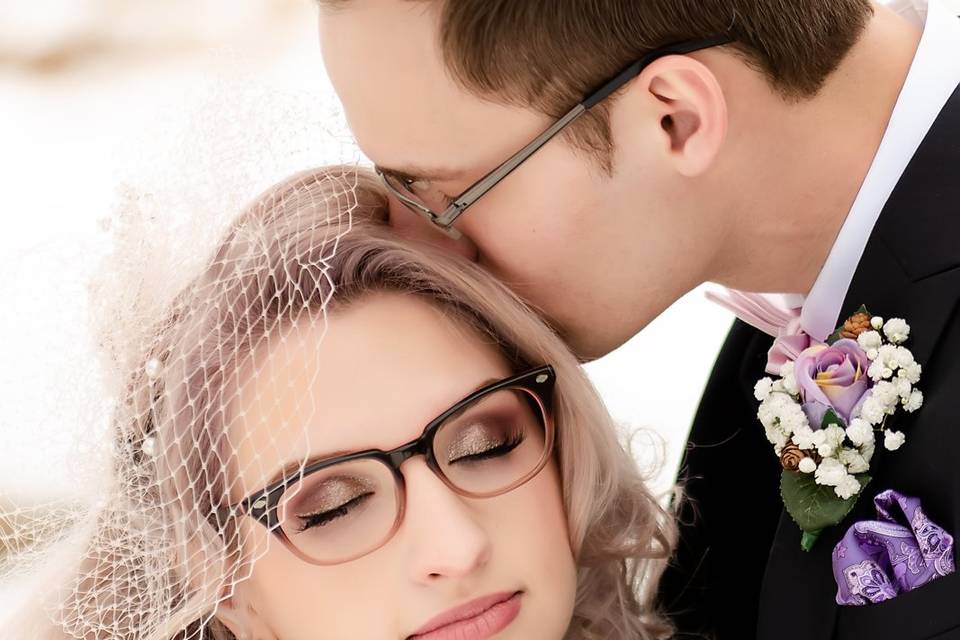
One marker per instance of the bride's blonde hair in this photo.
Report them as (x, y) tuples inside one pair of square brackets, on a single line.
[(296, 252)]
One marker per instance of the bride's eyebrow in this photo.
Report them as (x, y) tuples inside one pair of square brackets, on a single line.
[(289, 470)]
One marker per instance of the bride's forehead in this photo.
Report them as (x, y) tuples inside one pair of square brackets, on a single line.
[(371, 375)]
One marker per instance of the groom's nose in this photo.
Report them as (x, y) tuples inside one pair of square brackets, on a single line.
[(410, 225)]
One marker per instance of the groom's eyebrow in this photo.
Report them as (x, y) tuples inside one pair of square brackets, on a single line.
[(433, 174)]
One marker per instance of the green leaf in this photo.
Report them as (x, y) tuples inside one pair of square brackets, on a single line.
[(809, 539), (812, 506), (831, 417)]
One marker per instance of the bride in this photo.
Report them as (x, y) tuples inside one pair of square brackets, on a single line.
[(334, 434)]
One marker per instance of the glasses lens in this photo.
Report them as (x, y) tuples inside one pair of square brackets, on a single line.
[(341, 512), (420, 192), (495, 444)]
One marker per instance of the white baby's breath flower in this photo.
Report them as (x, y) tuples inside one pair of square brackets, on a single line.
[(872, 354), (893, 440), (793, 418), (903, 388), (879, 369), (870, 340), (790, 385), (777, 438), (761, 390), (786, 369), (873, 411), (779, 399), (820, 443), (808, 465), (885, 393), (831, 440), (769, 410), (780, 415), (911, 372), (847, 487), (853, 460), (859, 431), (868, 449), (766, 416), (889, 356), (904, 357), (897, 330), (914, 402), (830, 472), (803, 437), (835, 434), (876, 322)]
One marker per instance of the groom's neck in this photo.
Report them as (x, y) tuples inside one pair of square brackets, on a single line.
[(813, 157)]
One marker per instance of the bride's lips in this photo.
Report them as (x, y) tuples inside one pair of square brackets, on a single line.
[(475, 620)]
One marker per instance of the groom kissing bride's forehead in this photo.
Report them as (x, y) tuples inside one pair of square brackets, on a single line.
[(604, 158)]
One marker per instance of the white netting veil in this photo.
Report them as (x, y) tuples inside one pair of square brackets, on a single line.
[(196, 283)]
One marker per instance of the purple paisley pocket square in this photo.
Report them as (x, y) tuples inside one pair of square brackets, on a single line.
[(899, 551)]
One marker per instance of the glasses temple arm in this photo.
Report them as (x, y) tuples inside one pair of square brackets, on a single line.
[(479, 188), (622, 78)]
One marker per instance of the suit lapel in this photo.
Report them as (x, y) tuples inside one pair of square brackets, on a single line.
[(910, 269)]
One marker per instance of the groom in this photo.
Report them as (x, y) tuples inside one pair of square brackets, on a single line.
[(808, 147)]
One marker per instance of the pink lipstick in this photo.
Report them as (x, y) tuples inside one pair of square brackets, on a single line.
[(476, 620)]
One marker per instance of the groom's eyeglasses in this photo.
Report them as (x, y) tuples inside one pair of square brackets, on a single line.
[(442, 211)]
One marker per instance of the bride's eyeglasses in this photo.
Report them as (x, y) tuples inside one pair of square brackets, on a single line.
[(342, 508), (442, 211)]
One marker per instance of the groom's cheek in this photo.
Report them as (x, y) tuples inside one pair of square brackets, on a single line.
[(410, 226)]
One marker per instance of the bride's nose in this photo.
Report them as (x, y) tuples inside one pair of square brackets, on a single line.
[(412, 226)]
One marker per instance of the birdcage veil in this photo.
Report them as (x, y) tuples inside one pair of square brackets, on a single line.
[(196, 274)]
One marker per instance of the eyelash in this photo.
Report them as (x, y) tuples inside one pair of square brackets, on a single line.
[(311, 520)]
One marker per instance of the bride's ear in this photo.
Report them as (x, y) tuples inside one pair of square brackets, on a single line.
[(693, 111), (242, 619)]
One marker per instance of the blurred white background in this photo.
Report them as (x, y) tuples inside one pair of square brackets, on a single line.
[(100, 96)]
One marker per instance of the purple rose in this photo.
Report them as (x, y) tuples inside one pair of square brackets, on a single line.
[(833, 377)]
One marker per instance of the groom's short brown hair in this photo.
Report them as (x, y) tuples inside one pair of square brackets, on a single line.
[(548, 54)]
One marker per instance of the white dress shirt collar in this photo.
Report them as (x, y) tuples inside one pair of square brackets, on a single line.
[(933, 77)]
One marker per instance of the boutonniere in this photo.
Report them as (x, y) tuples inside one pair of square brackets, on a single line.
[(826, 410)]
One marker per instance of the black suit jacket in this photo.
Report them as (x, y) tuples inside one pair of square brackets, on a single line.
[(739, 572)]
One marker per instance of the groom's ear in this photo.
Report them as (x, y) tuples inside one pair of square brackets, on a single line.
[(692, 111)]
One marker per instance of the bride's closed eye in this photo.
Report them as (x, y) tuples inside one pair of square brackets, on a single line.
[(481, 442), (332, 499)]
